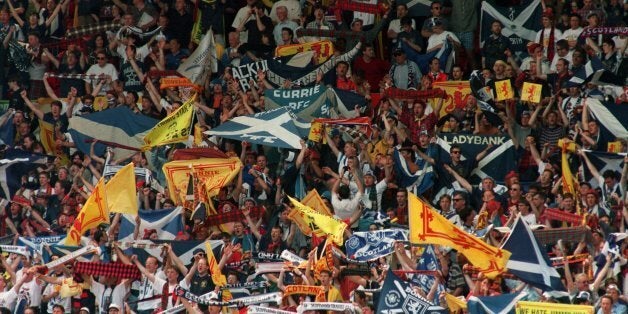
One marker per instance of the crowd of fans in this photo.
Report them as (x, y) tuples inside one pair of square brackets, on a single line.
[(355, 178)]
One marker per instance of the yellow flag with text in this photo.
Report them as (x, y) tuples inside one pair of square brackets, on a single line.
[(93, 213), (320, 223), (121, 191), (174, 128), (503, 90), (314, 200), (525, 307), (428, 227), (531, 92)]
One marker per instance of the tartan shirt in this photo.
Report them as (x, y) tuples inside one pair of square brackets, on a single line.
[(417, 125)]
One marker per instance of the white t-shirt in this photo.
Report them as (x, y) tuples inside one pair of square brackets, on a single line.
[(571, 35), (108, 69), (102, 293), (7, 299), (65, 302), (437, 39), (33, 289), (158, 286), (546, 36)]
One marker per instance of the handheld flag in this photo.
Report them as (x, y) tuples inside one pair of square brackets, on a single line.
[(217, 277), (400, 298), (500, 304), (93, 213), (428, 226), (121, 196), (531, 92), (570, 184), (503, 90), (174, 128), (319, 223)]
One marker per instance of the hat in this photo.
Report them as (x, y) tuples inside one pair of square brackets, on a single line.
[(532, 46), (526, 113), (369, 173), (84, 309), (326, 195), (510, 175), (250, 199), (114, 306), (548, 13), (569, 83), (614, 287)]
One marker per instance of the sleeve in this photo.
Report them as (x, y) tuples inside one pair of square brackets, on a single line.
[(381, 186), (158, 285)]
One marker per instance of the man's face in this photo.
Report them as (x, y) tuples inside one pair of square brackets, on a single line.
[(401, 11), (401, 199), (574, 22), (275, 234), (282, 13), (370, 52), (434, 65), (487, 184), (455, 154), (537, 200), (515, 192), (341, 69), (456, 74), (151, 264), (496, 28), (436, 9), (560, 66)]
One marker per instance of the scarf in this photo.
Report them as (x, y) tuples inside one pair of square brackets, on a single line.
[(108, 269), (557, 214), (234, 215), (550, 44), (347, 5), (397, 93)]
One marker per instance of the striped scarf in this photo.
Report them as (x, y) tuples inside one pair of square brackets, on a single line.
[(118, 270), (232, 216), (347, 5), (557, 214), (397, 93), (91, 77)]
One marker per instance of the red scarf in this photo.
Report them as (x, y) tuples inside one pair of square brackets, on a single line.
[(550, 44)]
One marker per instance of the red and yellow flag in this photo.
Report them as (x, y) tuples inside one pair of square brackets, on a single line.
[(428, 227), (457, 93), (531, 92), (217, 277), (320, 224), (504, 91), (93, 213), (314, 200)]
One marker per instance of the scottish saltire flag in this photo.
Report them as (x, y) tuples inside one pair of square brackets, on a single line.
[(419, 181), (34, 244), (366, 246), (167, 223), (399, 298), (17, 162), (344, 103), (521, 23), (501, 304), (428, 261), (496, 164), (423, 60), (118, 127), (603, 162), (183, 249), (529, 262), (612, 247), (7, 131), (274, 128), (612, 118), (593, 66), (306, 103), (478, 87), (417, 7), (490, 113)]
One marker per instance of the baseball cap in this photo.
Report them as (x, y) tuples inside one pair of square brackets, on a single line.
[(84, 309), (114, 306)]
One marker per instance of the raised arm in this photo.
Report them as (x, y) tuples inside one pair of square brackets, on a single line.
[(36, 111), (463, 182), (15, 14)]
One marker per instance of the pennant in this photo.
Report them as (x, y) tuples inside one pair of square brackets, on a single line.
[(121, 191), (92, 214), (503, 90), (167, 223), (324, 49), (213, 172), (217, 277), (544, 307), (401, 298), (15, 163), (174, 128), (427, 226), (500, 304), (456, 95), (367, 246), (202, 62), (274, 128), (528, 261), (319, 223), (521, 23), (118, 127), (531, 92)]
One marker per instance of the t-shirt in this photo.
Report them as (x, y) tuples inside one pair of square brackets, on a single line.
[(130, 79), (106, 296), (7, 299), (65, 302), (158, 286), (201, 284)]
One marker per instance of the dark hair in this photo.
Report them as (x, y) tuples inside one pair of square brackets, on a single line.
[(609, 174), (406, 20), (56, 103), (609, 42), (454, 146), (344, 192), (563, 44)]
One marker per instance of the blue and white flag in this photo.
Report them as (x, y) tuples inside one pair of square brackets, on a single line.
[(528, 261), (118, 127), (612, 247), (417, 7), (419, 181), (500, 304), (35, 244), (423, 60), (603, 162), (7, 130), (16, 163), (583, 74), (496, 164), (612, 118), (167, 223), (478, 86), (274, 128), (428, 261), (399, 298), (367, 246), (521, 23), (183, 249)]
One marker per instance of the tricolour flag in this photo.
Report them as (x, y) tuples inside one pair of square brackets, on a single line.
[(121, 191), (521, 23), (274, 128), (174, 128), (531, 92), (118, 127), (319, 223), (213, 172), (528, 261), (92, 214), (503, 90), (166, 222), (500, 304), (427, 226), (15, 163)]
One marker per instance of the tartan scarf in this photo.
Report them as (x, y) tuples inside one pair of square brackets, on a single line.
[(92, 29), (232, 216), (571, 235), (397, 93), (550, 45), (75, 76), (347, 5), (315, 32), (557, 214), (118, 270)]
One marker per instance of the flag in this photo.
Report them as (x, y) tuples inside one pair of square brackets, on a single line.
[(500, 160), (367, 246), (202, 62), (121, 191), (420, 180), (529, 262), (428, 261), (612, 247), (545, 307), (611, 118), (47, 136), (15, 163), (319, 223), (583, 74), (428, 226), (603, 162), (324, 50), (167, 222), (174, 128), (198, 152), (521, 23), (478, 87), (454, 303), (400, 298), (7, 129), (423, 60), (417, 7), (457, 92), (274, 128), (313, 200), (500, 304), (183, 249), (92, 214), (503, 90), (212, 264), (531, 92), (490, 113), (306, 103), (120, 127), (59, 250), (570, 184), (213, 172)]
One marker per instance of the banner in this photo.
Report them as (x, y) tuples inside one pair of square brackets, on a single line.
[(265, 310), (174, 128), (456, 95), (428, 226), (366, 246), (217, 277), (319, 223), (121, 191), (593, 31), (245, 73), (526, 307), (324, 49), (307, 103), (521, 23), (92, 214), (214, 172), (301, 289)]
